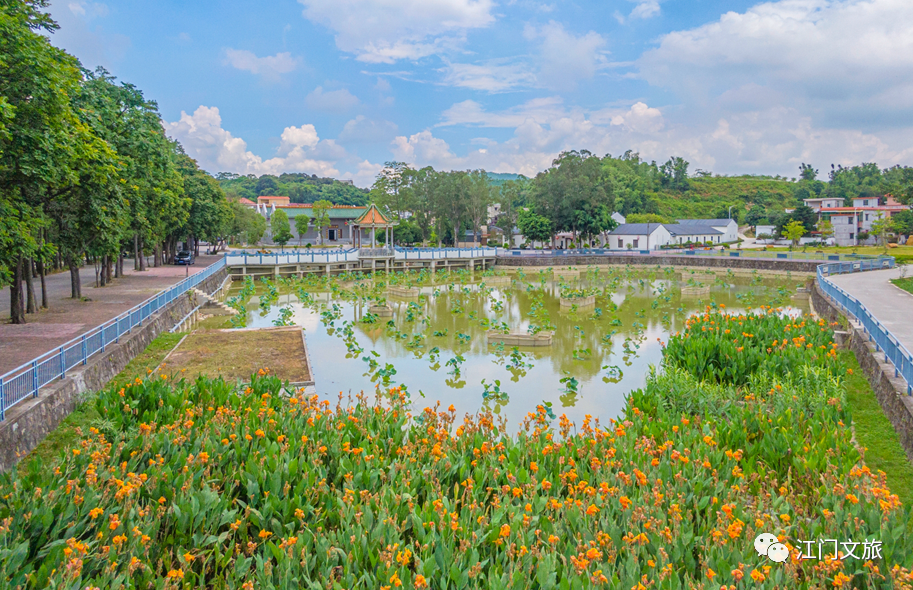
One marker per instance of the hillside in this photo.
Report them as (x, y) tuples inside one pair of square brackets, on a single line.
[(712, 196), (499, 178), (299, 187)]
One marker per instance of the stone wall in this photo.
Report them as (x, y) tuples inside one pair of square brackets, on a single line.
[(656, 259), (890, 391), (28, 422)]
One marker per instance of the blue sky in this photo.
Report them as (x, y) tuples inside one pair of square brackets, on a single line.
[(338, 87)]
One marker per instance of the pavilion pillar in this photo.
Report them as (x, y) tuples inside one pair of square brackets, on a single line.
[(374, 237)]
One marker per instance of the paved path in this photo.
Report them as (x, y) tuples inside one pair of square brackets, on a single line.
[(891, 305), (67, 319)]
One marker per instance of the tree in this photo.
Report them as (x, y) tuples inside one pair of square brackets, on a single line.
[(534, 227), (881, 227), (806, 216), (267, 185), (302, 222), (903, 222), (480, 197), (387, 190), (247, 226), (793, 231), (807, 172), (510, 196), (826, 228), (321, 212), (756, 216), (282, 231)]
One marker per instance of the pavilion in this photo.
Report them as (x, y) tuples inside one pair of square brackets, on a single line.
[(372, 219)]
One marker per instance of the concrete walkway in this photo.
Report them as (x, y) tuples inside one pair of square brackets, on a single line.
[(67, 318), (891, 305)]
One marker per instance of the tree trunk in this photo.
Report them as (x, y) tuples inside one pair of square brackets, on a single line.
[(16, 313), (42, 272), (75, 283), (110, 266), (136, 253), (196, 247), (32, 304), (156, 255), (141, 254)]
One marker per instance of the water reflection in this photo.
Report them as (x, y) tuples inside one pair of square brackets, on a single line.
[(437, 344)]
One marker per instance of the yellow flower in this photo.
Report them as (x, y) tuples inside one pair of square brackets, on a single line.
[(265, 534)]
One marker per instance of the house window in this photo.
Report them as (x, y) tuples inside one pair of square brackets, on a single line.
[(851, 236), (621, 243), (866, 216), (635, 241)]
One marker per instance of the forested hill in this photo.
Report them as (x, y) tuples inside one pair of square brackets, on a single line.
[(710, 197), (299, 187), (499, 178)]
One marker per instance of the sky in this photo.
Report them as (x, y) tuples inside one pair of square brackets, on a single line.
[(339, 87)]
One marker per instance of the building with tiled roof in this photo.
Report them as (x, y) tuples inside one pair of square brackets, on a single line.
[(339, 232)]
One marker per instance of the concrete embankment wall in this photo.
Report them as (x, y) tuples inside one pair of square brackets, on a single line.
[(890, 391), (724, 262), (28, 422)]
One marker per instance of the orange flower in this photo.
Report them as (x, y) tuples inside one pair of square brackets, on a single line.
[(505, 530), (625, 502), (420, 581)]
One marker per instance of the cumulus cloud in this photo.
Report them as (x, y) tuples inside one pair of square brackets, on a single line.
[(385, 31), (335, 101), (847, 61), (300, 149), (566, 58), (271, 66), (364, 130)]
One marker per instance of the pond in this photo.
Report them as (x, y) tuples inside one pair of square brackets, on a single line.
[(436, 344)]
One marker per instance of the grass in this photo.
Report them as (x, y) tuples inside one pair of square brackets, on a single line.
[(238, 354), (47, 454), (906, 284), (875, 433)]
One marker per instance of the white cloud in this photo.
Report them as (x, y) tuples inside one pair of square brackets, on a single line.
[(331, 101), (771, 140), (645, 9), (83, 34), (490, 77), (300, 149), (847, 60), (384, 31), (270, 67), (88, 10), (364, 130), (564, 57), (470, 112)]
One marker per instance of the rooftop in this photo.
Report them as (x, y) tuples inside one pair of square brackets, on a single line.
[(635, 229), (690, 229)]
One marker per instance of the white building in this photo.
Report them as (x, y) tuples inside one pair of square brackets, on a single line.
[(819, 203), (619, 218), (685, 233), (638, 236), (765, 230), (728, 228)]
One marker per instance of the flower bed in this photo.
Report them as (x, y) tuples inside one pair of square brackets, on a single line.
[(203, 485)]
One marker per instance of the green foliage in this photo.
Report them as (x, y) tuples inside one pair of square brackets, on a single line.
[(247, 226), (647, 218), (535, 227), (793, 231), (321, 216), (298, 187), (280, 227), (730, 349)]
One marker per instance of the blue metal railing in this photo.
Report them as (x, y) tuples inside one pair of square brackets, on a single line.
[(25, 381), (758, 254), (885, 342)]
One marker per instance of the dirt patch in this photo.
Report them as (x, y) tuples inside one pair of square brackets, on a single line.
[(238, 354)]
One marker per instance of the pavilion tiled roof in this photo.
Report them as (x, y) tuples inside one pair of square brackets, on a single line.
[(372, 216)]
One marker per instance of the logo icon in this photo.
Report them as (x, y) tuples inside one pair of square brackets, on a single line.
[(769, 546)]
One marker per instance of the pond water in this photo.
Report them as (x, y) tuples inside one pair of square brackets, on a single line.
[(437, 345)]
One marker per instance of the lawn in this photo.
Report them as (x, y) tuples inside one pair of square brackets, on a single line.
[(906, 283)]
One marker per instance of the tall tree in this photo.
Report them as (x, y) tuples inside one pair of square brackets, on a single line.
[(281, 230), (321, 218), (480, 198)]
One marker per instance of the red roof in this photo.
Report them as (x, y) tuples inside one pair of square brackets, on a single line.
[(244, 201)]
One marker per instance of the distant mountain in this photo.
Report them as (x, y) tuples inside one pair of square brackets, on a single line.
[(499, 178)]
